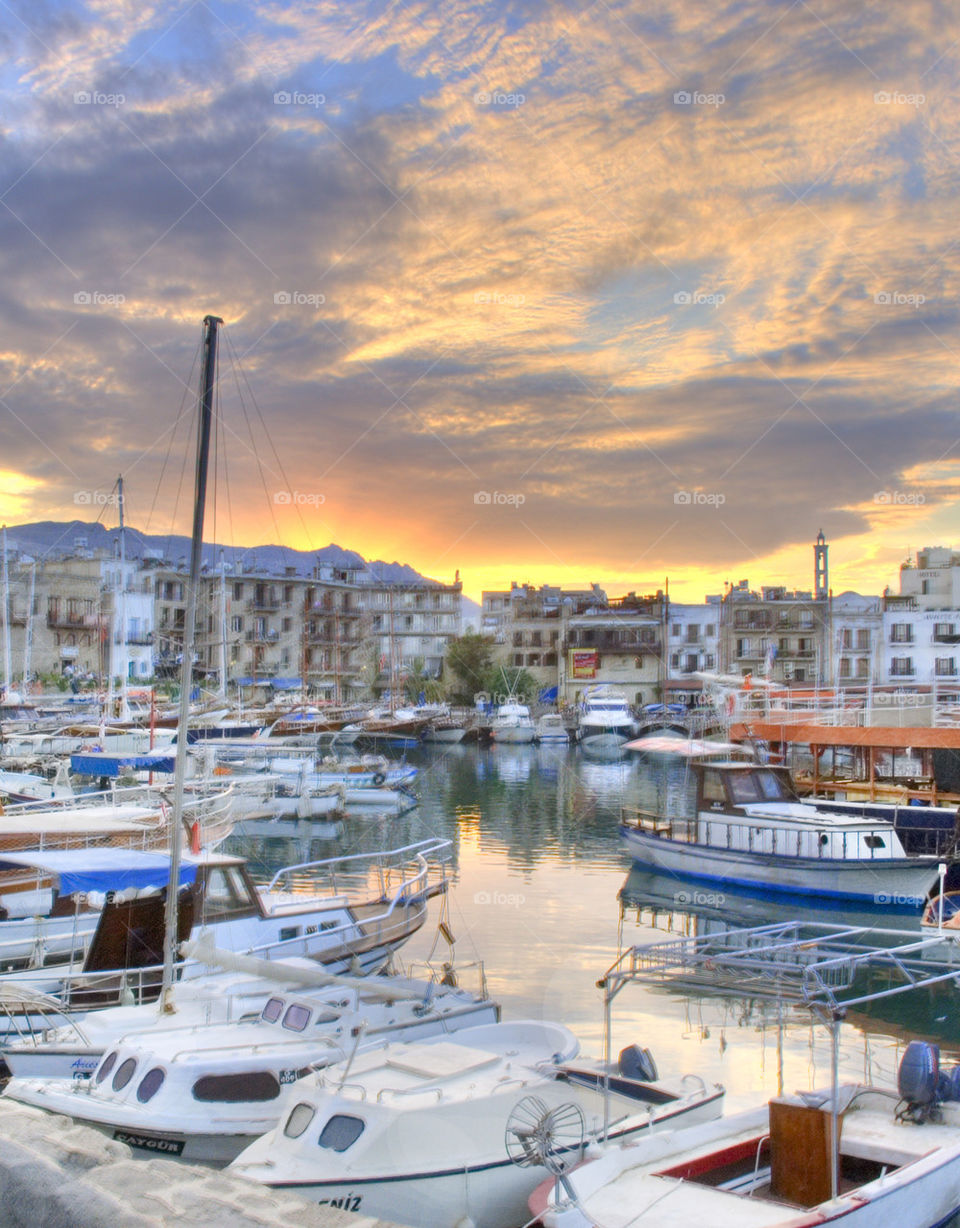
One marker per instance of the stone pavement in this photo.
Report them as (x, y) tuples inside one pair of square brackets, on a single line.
[(57, 1174)]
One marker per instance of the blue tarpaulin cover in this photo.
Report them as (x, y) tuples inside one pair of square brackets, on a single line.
[(101, 869), (96, 763)]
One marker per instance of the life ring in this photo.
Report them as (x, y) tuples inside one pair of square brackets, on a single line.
[(379, 778)]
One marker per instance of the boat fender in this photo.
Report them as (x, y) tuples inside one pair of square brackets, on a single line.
[(635, 1062), (919, 1075), (379, 778)]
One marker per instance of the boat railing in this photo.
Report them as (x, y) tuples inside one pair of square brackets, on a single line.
[(401, 873), (410, 1091), (862, 842)]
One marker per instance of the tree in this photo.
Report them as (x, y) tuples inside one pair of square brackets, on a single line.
[(503, 680), (469, 659), (418, 682)]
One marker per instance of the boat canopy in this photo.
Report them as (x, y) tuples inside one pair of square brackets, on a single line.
[(96, 763), (100, 869)]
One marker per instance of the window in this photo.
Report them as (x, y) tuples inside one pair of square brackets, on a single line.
[(340, 1132), (106, 1066), (301, 1117), (844, 667), (874, 842), (863, 640), (744, 789), (150, 1084), (901, 667), (297, 1017), (901, 633), (238, 592), (124, 1074), (271, 1012), (254, 1085), (676, 629), (945, 667), (713, 787), (236, 623)]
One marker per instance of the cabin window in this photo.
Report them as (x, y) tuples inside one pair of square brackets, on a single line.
[(296, 1018), (289, 932), (124, 1074), (299, 1119), (770, 786), (874, 842), (744, 788), (150, 1084), (713, 787), (340, 1132), (106, 1066), (225, 892), (237, 1088), (271, 1012)]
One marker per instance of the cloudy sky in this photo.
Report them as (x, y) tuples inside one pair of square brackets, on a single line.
[(549, 291)]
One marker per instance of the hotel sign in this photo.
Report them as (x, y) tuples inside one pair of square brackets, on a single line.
[(584, 665)]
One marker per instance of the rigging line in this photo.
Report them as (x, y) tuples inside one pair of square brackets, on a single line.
[(239, 367), (253, 447), (171, 432)]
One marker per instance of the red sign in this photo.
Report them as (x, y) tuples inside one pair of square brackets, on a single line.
[(584, 665)]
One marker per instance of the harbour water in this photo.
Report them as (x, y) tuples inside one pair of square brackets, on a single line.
[(545, 896)]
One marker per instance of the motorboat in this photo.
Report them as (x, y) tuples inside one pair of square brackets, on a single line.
[(856, 1154), (750, 828), (89, 929), (551, 729), (605, 716), (428, 1132), (512, 722), (204, 1091)]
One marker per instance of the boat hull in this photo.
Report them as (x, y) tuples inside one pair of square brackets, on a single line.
[(490, 1194), (897, 882)]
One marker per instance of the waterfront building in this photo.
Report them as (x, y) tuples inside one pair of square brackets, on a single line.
[(528, 625), (621, 644)]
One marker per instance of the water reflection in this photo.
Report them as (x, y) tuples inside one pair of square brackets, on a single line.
[(543, 896)]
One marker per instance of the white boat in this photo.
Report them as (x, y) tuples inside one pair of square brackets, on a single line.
[(424, 1133), (204, 1091), (512, 722), (62, 949), (550, 728), (605, 715), (750, 828)]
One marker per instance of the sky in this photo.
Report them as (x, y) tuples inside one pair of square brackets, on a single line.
[(554, 292)]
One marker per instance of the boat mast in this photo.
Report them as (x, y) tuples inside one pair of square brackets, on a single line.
[(205, 418), (28, 633), (223, 627), (124, 712), (7, 679)]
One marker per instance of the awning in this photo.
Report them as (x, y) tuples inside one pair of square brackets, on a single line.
[(96, 763), (101, 869), (285, 684)]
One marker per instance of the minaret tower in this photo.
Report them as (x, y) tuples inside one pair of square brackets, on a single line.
[(820, 571)]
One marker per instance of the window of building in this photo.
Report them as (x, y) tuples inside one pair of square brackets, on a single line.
[(901, 633)]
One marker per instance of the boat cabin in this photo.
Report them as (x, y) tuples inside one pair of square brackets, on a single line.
[(726, 787)]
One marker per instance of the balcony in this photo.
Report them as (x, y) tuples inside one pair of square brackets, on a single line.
[(71, 620)]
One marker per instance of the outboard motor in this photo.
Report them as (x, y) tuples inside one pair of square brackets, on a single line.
[(637, 1063), (918, 1081)]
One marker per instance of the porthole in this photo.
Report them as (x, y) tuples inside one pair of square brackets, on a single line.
[(124, 1074), (106, 1066), (150, 1084)]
